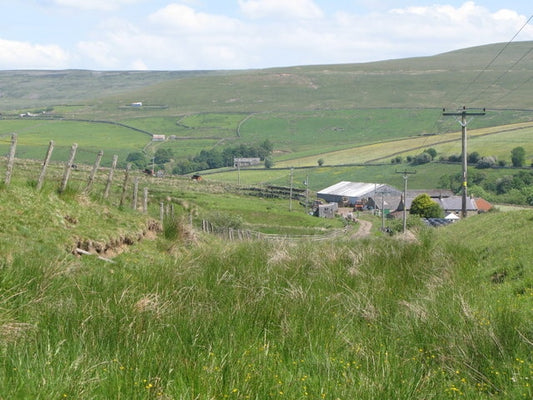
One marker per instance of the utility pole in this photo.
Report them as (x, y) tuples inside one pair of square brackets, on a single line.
[(239, 173), (383, 193), (405, 178), (290, 193), (464, 156), (306, 183)]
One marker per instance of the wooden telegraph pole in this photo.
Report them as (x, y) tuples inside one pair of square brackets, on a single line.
[(464, 156), (405, 178)]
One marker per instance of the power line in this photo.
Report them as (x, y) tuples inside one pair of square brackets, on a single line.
[(467, 88), (520, 85), (504, 73)]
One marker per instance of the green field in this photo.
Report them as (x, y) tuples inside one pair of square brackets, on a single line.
[(439, 314), (303, 307), (33, 137), (342, 114)]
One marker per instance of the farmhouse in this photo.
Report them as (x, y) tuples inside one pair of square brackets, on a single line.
[(246, 162), (355, 193), (450, 204), (158, 138)]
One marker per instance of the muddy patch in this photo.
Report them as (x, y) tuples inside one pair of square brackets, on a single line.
[(116, 245)]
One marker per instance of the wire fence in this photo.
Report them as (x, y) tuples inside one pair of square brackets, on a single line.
[(112, 183)]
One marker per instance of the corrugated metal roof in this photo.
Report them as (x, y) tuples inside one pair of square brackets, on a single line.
[(351, 189)]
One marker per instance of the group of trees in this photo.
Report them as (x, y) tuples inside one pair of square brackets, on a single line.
[(515, 188), (518, 158), (139, 160), (426, 156), (206, 159), (215, 158)]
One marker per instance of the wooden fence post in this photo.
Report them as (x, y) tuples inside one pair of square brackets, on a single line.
[(46, 161), (11, 158), (161, 212), (68, 168), (96, 165), (145, 200), (110, 177), (125, 185), (135, 191)]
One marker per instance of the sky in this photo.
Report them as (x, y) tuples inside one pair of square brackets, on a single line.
[(245, 34)]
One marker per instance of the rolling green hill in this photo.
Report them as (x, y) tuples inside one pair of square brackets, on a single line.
[(435, 81), (163, 310), (350, 113)]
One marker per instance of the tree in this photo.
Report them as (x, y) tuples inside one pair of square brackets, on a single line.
[(432, 152), (518, 156), (269, 163), (137, 159), (425, 207), (162, 156), (265, 149), (486, 162), (473, 157), (422, 158), (320, 162)]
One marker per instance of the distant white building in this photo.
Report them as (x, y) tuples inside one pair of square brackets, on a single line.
[(158, 138), (137, 104), (246, 162)]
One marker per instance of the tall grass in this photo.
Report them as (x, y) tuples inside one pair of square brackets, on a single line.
[(212, 320)]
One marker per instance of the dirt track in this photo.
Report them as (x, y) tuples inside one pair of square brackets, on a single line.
[(364, 229)]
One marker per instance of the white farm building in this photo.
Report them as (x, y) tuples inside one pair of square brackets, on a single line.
[(355, 192)]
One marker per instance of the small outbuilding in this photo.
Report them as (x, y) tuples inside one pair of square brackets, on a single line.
[(327, 210), (158, 138)]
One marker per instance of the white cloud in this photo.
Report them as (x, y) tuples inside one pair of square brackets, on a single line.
[(24, 55), (285, 9), (100, 5), (180, 37), (178, 17), (446, 26)]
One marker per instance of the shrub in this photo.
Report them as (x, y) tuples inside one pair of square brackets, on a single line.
[(518, 156), (422, 158), (473, 157), (455, 158), (432, 152), (269, 163), (221, 220), (425, 207), (137, 159), (486, 162)]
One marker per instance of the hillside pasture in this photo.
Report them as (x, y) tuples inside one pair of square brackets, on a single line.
[(493, 139), (219, 125), (35, 135), (426, 177), (445, 316)]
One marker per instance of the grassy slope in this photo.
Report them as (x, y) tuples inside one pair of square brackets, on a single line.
[(378, 318), (334, 112), (304, 110)]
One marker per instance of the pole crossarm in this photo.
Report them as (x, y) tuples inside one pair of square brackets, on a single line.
[(463, 112)]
